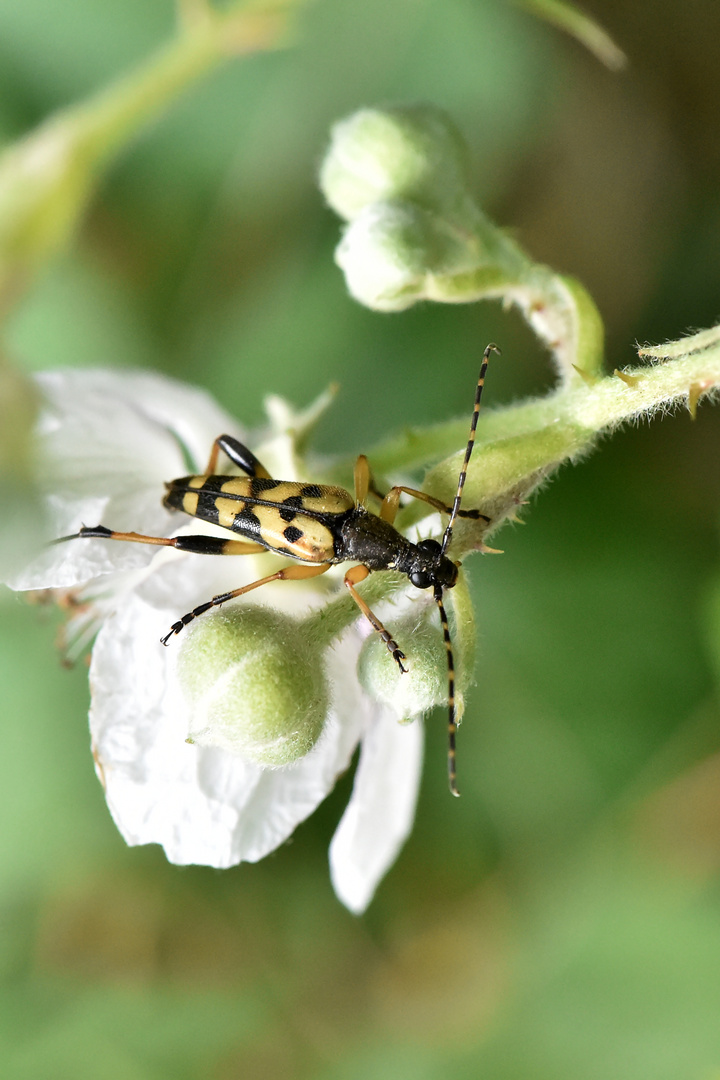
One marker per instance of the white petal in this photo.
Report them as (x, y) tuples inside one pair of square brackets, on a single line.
[(380, 814), (203, 805), (107, 441)]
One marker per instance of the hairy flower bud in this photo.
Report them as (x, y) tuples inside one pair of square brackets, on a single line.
[(411, 152), (386, 253), (399, 178), (256, 685), (425, 683)]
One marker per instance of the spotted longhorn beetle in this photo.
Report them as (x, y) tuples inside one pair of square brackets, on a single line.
[(319, 526)]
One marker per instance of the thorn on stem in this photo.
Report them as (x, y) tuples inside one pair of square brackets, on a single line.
[(630, 380), (695, 391), (587, 377)]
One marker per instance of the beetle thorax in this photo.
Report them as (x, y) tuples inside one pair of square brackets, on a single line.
[(379, 546)]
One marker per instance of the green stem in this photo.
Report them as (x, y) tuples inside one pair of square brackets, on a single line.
[(587, 409), (47, 177), (120, 109), (558, 308)]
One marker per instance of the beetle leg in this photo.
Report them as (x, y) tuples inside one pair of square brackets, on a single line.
[(355, 575), (216, 545), (294, 572), (99, 531), (198, 544), (365, 482), (238, 454), (362, 480), (390, 504)]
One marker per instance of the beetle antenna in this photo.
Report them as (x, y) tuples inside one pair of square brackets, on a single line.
[(469, 448), (452, 709)]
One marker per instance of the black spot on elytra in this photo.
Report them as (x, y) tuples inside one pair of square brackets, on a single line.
[(311, 491), (247, 524), (292, 504), (213, 484), (292, 534), (260, 484), (206, 507)]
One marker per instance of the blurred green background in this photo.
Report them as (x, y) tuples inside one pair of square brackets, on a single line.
[(562, 920)]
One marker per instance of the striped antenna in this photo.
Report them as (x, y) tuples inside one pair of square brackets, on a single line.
[(469, 448), (452, 709)]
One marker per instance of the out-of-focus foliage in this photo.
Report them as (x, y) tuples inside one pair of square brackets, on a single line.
[(561, 919)]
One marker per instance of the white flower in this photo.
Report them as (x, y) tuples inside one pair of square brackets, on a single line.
[(106, 443)]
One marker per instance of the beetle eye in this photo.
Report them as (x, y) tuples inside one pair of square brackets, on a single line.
[(421, 579)]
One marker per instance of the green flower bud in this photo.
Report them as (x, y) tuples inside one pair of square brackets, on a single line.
[(411, 152), (390, 249), (425, 684), (257, 687), (386, 253)]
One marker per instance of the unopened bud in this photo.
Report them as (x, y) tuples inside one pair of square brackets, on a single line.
[(411, 152), (425, 684), (386, 254), (257, 687)]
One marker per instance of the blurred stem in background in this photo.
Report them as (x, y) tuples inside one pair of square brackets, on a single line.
[(48, 177)]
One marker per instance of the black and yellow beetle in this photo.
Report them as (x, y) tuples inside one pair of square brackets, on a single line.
[(318, 526)]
